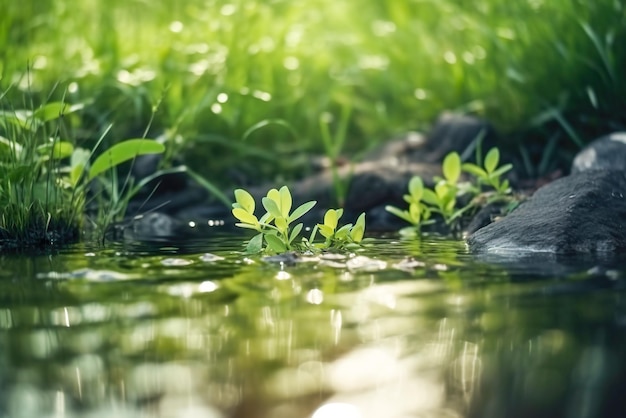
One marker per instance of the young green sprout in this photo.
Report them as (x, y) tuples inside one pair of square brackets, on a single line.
[(418, 212), (275, 225), (490, 174), (348, 236), (442, 199), (276, 228)]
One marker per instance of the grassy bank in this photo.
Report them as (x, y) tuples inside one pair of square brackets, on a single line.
[(219, 68), (248, 89)]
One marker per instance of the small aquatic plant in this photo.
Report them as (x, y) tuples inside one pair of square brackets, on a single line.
[(442, 199), (276, 230), (274, 227), (418, 212), (348, 236), (490, 174)]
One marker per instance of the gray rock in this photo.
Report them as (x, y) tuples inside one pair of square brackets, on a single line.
[(605, 153), (456, 132), (581, 213), (160, 227), (153, 225)]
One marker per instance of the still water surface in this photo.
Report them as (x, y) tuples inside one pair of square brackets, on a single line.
[(403, 329)]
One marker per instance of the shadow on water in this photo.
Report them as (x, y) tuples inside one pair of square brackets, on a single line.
[(404, 328)]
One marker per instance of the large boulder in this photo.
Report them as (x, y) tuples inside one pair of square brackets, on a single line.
[(581, 213)]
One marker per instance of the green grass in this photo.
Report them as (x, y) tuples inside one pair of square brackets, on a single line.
[(38, 212), (246, 90)]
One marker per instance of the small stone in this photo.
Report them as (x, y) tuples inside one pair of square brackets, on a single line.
[(409, 264), (176, 262), (365, 264), (210, 258), (288, 259)]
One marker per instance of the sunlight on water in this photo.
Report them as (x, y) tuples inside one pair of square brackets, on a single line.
[(410, 329), (336, 409)]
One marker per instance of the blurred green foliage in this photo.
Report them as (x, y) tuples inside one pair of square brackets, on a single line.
[(214, 69)]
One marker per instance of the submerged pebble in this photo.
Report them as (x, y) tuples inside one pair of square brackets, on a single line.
[(365, 264), (409, 264), (176, 262), (87, 274), (288, 259), (210, 258)]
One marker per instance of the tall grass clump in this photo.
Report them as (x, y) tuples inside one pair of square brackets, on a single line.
[(47, 179), (540, 71), (38, 209)]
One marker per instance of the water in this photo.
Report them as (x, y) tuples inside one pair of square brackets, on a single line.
[(402, 329)]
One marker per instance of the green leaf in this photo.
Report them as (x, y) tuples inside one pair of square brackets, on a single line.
[(342, 233), (275, 243), (491, 160), (245, 217), (55, 110), (452, 167), (301, 210), (358, 231), (245, 200), (285, 201), (500, 171), (271, 207), (504, 187), (356, 234), (255, 245), (326, 231), (281, 224), (402, 214), (415, 213), (51, 111), (122, 152), (426, 213), (274, 195), (313, 234), (430, 197), (449, 205), (331, 219), (360, 221), (57, 149), (76, 172), (266, 219), (475, 170), (445, 192), (295, 232), (416, 189)]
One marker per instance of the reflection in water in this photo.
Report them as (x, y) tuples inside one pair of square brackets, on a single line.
[(337, 409), (413, 329)]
